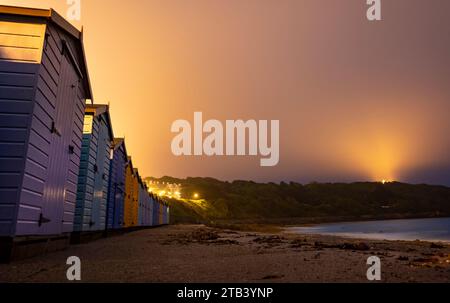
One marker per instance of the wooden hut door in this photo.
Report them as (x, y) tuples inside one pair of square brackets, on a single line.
[(59, 159)]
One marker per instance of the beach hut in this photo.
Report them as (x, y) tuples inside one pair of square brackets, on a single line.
[(131, 210), (148, 209), (128, 193), (148, 212), (151, 203), (163, 207), (166, 214), (116, 193), (135, 212), (161, 212), (142, 202), (44, 85), (166, 207), (155, 212), (93, 180)]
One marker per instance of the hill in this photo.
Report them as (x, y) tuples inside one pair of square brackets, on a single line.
[(290, 203)]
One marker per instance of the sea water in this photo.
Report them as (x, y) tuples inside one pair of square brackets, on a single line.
[(435, 229)]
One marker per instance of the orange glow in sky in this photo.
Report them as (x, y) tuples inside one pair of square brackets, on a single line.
[(356, 100)]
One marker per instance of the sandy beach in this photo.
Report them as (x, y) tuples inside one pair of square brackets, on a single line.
[(196, 253)]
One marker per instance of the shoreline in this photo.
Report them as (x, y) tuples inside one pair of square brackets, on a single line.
[(198, 253), (365, 232), (348, 237), (309, 221), (372, 220)]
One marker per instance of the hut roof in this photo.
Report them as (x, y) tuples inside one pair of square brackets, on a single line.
[(52, 16), (101, 109)]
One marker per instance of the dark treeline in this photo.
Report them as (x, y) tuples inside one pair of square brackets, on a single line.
[(315, 202)]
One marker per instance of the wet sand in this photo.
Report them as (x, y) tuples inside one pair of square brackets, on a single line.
[(195, 253)]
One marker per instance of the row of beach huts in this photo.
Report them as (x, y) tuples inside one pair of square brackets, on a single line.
[(64, 177)]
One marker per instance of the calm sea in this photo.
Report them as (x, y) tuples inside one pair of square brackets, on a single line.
[(436, 229)]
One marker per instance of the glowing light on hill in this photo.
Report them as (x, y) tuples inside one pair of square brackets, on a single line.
[(196, 196), (374, 153)]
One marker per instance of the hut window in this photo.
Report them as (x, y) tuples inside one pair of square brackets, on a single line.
[(87, 127), (98, 194)]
